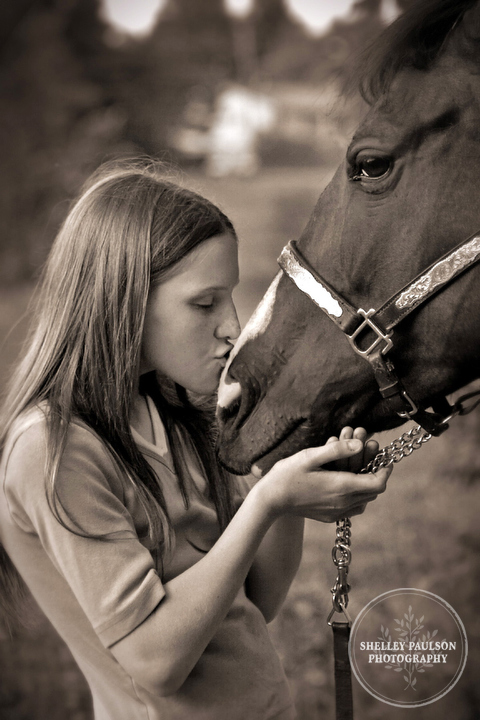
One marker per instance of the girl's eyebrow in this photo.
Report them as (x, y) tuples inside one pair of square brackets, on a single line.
[(213, 288)]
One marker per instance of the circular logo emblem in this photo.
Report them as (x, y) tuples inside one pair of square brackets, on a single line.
[(408, 647)]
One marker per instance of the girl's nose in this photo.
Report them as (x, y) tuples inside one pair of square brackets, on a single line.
[(229, 328)]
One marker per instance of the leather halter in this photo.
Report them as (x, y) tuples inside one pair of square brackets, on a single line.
[(358, 324)]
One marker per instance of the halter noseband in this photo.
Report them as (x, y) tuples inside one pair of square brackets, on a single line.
[(357, 323)]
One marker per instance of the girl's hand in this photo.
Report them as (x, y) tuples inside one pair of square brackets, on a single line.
[(354, 463), (299, 485)]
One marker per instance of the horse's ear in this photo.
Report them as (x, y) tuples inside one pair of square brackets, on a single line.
[(467, 33)]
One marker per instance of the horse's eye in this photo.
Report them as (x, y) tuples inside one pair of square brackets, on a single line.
[(372, 167)]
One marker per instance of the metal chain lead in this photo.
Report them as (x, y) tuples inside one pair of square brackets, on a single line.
[(398, 449), (341, 553), (394, 452), (341, 556)]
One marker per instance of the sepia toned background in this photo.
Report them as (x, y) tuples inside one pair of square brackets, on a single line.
[(244, 102)]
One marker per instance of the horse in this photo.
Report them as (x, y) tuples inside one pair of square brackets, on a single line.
[(393, 219)]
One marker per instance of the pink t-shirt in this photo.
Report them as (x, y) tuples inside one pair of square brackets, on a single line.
[(97, 591)]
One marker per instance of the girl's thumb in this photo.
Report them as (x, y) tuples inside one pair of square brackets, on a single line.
[(332, 451)]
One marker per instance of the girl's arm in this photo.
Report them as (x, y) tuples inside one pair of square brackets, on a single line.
[(275, 565), (162, 651), (280, 552)]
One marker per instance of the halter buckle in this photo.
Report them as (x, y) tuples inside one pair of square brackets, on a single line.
[(413, 409), (381, 337)]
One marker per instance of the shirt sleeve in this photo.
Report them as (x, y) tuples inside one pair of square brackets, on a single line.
[(99, 554)]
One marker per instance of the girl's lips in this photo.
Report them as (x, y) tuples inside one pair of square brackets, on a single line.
[(223, 357)]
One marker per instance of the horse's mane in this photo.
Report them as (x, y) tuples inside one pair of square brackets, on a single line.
[(414, 40)]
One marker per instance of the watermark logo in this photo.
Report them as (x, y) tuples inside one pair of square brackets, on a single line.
[(408, 647)]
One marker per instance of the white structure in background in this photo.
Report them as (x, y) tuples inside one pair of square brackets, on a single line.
[(306, 114), (228, 137), (240, 116)]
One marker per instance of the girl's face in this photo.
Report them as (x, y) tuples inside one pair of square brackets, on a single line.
[(191, 321)]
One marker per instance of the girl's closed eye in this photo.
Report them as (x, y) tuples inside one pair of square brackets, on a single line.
[(204, 303)]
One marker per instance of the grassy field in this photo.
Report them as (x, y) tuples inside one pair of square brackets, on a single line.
[(422, 533)]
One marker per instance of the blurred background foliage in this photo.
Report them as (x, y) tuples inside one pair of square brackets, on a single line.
[(74, 92)]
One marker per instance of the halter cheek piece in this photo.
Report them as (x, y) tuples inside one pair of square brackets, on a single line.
[(357, 324)]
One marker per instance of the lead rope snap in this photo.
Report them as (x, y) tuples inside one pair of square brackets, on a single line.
[(398, 449), (341, 552), (342, 556)]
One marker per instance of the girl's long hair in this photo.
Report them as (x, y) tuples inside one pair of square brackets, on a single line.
[(126, 231)]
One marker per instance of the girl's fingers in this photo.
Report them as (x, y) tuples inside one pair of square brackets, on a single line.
[(368, 484), (355, 464), (346, 433), (315, 457), (360, 434), (378, 480), (345, 461), (371, 449)]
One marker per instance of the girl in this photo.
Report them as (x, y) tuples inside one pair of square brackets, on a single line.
[(158, 569)]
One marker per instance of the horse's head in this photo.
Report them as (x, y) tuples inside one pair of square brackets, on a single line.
[(407, 192)]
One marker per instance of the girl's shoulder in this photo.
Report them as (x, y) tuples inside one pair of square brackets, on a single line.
[(27, 437), (89, 486), (32, 421), (31, 428), (27, 448)]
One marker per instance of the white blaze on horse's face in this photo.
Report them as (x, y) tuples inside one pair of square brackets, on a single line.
[(229, 390)]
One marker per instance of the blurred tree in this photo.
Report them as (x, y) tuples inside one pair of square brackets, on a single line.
[(55, 127), (85, 33), (287, 52), (11, 14), (245, 48), (272, 22), (370, 8), (73, 91), (190, 47), (405, 4)]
